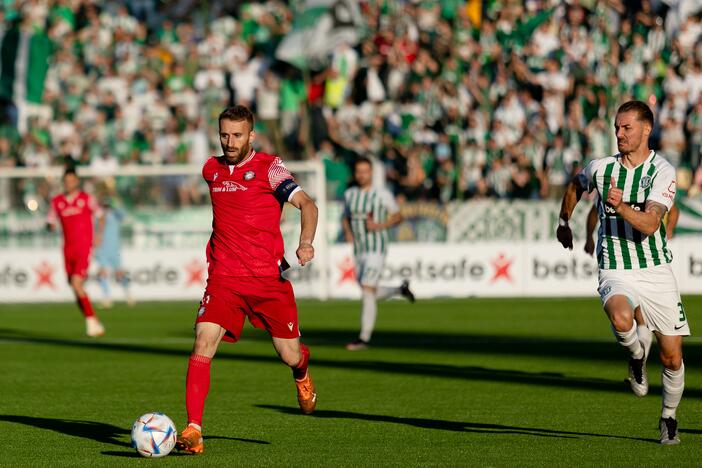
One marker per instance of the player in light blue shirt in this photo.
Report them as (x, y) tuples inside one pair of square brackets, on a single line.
[(108, 254)]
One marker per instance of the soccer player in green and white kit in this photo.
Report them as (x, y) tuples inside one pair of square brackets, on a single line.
[(368, 214), (636, 187)]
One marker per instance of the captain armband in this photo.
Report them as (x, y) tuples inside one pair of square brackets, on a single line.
[(285, 190)]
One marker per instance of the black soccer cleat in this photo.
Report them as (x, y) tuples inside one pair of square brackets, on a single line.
[(406, 292), (357, 345), (637, 376), (669, 431)]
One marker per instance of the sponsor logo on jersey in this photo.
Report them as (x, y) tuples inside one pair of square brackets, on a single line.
[(610, 211), (228, 186), (70, 211), (291, 325), (249, 175), (216, 174), (671, 191), (645, 181)]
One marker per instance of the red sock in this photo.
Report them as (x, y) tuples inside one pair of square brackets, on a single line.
[(85, 306), (197, 384), (300, 370)]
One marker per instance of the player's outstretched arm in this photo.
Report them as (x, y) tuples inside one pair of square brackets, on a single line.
[(346, 225), (647, 221), (673, 215), (393, 220), (99, 231), (308, 221), (571, 197), (590, 229)]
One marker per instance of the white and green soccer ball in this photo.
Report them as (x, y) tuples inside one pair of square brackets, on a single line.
[(153, 435)]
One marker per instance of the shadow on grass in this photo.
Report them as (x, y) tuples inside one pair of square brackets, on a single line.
[(578, 349), (454, 426), (100, 432), (133, 454), (97, 431), (238, 439), (474, 373)]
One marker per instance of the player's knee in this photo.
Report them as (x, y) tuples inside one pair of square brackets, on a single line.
[(621, 321), (291, 357), (672, 361), (77, 286), (205, 345)]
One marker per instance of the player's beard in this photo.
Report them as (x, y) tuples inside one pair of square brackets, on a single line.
[(629, 146), (239, 156)]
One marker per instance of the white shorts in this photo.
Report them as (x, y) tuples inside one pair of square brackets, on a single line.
[(654, 290), (369, 267)]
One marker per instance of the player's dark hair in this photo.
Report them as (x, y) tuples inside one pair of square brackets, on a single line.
[(70, 170), (237, 114), (362, 160), (641, 108)]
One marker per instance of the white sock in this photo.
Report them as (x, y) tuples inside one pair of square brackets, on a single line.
[(645, 337), (196, 426), (673, 385), (387, 293), (630, 341), (368, 314)]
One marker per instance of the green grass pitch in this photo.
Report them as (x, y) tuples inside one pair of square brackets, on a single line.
[(524, 382)]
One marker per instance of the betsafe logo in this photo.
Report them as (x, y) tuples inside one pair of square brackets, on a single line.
[(196, 273), (43, 275), (498, 269), (46, 275), (563, 269)]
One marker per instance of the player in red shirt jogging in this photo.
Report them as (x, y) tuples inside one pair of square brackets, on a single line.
[(245, 257), (75, 210)]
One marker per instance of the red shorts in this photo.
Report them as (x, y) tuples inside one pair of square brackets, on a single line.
[(269, 302), (76, 262)]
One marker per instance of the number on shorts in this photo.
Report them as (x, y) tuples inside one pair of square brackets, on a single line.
[(682, 312)]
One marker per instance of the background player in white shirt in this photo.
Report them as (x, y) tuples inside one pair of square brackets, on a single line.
[(635, 189), (368, 214)]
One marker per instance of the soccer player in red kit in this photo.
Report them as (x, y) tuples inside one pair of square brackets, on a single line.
[(245, 257), (75, 210)]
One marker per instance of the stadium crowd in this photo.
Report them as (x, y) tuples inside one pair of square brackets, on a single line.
[(455, 105)]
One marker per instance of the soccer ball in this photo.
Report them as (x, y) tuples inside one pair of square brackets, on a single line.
[(153, 435)]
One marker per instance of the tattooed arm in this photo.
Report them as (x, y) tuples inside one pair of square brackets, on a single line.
[(647, 221)]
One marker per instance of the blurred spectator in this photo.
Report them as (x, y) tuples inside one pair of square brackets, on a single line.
[(509, 107)]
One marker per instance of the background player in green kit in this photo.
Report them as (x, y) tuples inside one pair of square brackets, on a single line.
[(368, 214), (636, 187)]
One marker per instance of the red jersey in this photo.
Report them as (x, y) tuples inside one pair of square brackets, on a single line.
[(76, 216), (247, 201)]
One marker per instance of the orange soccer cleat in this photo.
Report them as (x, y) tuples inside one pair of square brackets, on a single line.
[(190, 440), (306, 394)]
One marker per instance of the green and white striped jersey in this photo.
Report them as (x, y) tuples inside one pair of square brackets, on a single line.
[(619, 245), (359, 204)]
